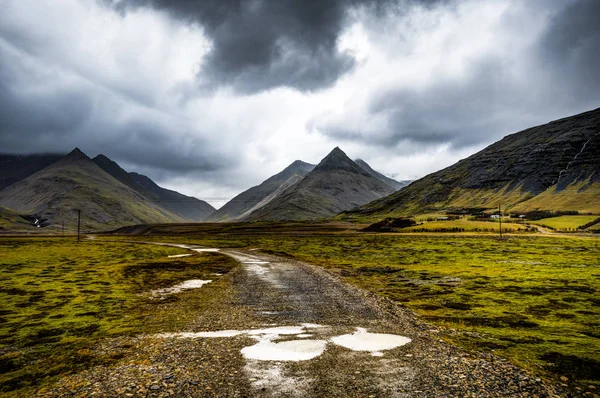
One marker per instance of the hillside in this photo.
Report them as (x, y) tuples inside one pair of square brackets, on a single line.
[(186, 207), (555, 166), (336, 184), (390, 181), (256, 197), (15, 168), (75, 182), (11, 221)]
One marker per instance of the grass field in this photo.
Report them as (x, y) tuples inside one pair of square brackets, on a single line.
[(564, 222), (532, 299), (464, 226), (59, 298)]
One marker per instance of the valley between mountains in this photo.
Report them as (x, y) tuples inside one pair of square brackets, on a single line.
[(551, 168), (327, 279)]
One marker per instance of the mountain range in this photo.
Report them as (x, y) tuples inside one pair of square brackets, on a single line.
[(101, 189), (303, 191), (336, 184), (47, 190), (555, 167)]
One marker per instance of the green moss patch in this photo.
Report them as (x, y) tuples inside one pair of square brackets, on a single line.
[(59, 298)]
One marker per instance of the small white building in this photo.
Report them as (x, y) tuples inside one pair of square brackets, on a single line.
[(496, 216)]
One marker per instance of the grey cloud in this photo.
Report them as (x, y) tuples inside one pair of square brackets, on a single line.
[(33, 118), (260, 44), (570, 49), (39, 118), (498, 94), (456, 112)]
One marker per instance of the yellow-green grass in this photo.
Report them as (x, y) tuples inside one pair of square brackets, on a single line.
[(564, 222), (464, 225), (581, 196), (533, 299), (428, 216), (486, 198), (60, 297)]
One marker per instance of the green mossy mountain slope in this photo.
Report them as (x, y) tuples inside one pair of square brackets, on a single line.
[(187, 207), (335, 185), (75, 182), (555, 166)]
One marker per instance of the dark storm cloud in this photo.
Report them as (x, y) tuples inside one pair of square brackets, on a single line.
[(497, 95), (570, 48), (40, 116), (34, 118), (261, 44)]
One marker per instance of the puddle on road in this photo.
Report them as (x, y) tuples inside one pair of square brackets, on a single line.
[(206, 250), (361, 340), (179, 255), (190, 284), (255, 262), (267, 349), (264, 360), (292, 350)]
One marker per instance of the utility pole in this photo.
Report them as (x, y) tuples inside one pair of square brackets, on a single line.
[(500, 211), (78, 223)]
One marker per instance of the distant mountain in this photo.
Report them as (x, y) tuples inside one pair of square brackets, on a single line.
[(15, 168), (390, 181), (337, 183), (555, 166), (256, 197), (187, 207), (76, 182)]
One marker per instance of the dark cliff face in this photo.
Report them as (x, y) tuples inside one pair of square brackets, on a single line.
[(534, 157), (585, 165), (523, 164)]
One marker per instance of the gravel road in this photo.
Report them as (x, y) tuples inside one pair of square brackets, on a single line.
[(287, 328)]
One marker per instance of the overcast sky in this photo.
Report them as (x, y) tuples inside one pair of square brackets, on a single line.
[(210, 97)]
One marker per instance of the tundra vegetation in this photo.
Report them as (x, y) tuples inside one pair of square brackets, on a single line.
[(60, 298), (530, 298)]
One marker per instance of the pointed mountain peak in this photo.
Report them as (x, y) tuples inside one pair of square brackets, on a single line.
[(101, 157), (300, 165), (76, 154), (338, 160)]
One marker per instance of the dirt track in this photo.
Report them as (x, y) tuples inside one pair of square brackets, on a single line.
[(270, 291)]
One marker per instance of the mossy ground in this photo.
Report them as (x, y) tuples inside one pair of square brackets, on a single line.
[(59, 298), (465, 225), (564, 223), (530, 298)]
